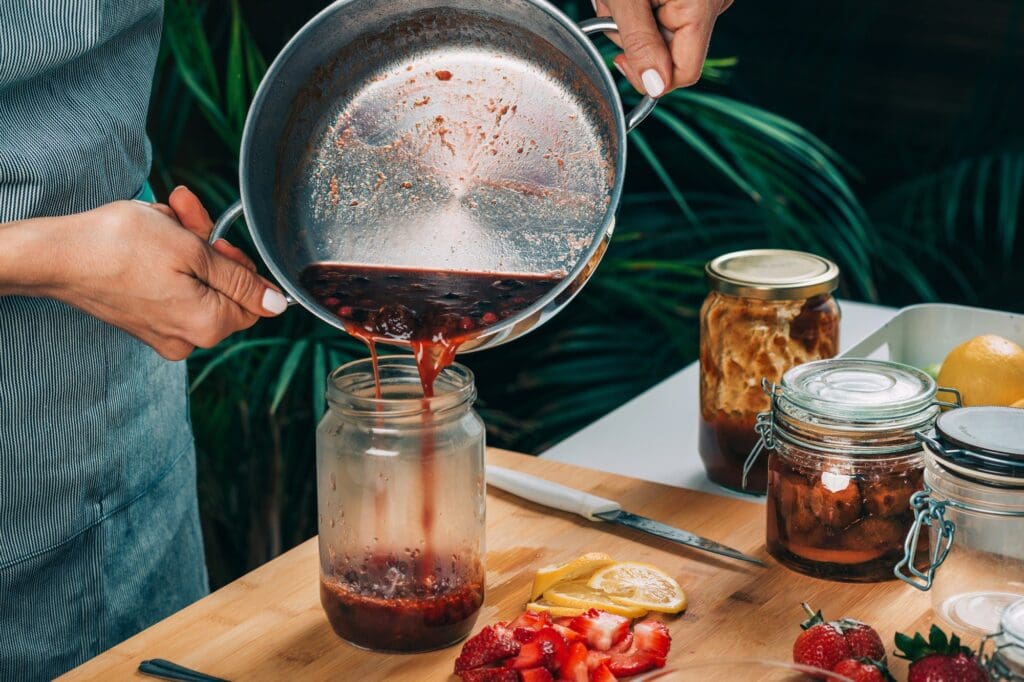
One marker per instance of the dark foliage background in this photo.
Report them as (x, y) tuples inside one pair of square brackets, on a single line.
[(916, 194)]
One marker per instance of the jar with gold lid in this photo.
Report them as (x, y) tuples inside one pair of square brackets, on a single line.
[(768, 310)]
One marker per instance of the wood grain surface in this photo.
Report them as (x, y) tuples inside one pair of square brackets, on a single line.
[(268, 625)]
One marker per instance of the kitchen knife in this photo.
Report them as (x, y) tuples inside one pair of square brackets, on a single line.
[(596, 508)]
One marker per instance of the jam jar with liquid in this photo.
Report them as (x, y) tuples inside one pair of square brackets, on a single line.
[(768, 310), (843, 464), (972, 513), (400, 493)]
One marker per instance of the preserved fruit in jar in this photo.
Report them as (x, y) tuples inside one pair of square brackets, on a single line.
[(769, 310), (843, 465)]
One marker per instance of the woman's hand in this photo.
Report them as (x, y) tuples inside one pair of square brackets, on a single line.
[(131, 264), (664, 41)]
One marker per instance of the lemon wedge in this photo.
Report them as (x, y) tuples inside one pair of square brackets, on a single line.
[(554, 610), (641, 586), (580, 567), (579, 595)]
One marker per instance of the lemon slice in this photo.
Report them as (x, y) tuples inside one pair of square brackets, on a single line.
[(641, 586), (579, 595), (554, 610), (580, 567)]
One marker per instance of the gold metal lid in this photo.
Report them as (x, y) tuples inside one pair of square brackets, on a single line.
[(772, 274)]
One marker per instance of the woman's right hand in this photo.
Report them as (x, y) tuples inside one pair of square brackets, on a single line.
[(131, 264)]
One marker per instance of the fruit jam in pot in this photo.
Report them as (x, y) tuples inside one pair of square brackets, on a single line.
[(843, 464)]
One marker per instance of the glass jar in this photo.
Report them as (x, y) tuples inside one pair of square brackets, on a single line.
[(973, 506), (400, 491), (768, 310), (1006, 662), (843, 464)]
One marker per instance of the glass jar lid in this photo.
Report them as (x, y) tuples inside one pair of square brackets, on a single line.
[(772, 274), (982, 442), (859, 390)]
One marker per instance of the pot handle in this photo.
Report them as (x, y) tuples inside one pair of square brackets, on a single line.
[(224, 223), (647, 104)]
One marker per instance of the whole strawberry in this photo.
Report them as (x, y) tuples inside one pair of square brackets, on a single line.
[(939, 658), (863, 670), (861, 641), (821, 644)]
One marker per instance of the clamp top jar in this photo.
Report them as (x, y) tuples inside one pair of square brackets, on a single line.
[(973, 507), (843, 465), (768, 310)]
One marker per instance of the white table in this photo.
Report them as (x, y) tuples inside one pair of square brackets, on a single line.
[(654, 436)]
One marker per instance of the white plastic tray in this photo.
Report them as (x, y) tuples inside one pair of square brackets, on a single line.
[(922, 335)]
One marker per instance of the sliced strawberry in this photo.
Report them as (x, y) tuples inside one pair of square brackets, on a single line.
[(536, 675), (564, 620), (493, 643), (546, 650), (595, 659), (489, 675), (603, 674), (622, 647), (567, 633), (653, 637), (527, 624), (634, 663), (601, 629), (574, 669), (534, 620)]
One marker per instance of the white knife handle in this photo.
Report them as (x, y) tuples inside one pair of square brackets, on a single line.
[(543, 491)]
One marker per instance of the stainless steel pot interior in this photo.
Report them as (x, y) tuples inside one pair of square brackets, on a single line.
[(448, 134)]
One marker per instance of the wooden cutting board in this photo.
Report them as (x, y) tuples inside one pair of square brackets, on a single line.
[(268, 625)]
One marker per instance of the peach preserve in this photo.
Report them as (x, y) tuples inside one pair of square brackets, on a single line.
[(768, 310), (843, 464)]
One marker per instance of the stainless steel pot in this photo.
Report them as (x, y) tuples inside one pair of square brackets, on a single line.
[(447, 134)]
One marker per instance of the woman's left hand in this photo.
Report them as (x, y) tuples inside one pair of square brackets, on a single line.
[(664, 41)]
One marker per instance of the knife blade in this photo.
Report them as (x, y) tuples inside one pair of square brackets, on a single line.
[(594, 508)]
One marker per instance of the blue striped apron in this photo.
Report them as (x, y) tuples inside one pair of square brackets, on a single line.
[(99, 525)]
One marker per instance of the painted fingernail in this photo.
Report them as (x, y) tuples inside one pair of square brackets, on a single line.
[(653, 83), (274, 303)]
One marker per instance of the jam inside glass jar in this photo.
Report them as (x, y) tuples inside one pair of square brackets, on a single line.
[(768, 310), (843, 465), (401, 507)]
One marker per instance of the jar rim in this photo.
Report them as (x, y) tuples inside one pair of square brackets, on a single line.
[(351, 388)]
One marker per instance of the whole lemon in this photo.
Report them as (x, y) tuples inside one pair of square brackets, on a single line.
[(987, 370)]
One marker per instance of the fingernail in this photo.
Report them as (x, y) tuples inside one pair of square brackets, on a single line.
[(274, 302), (618, 68), (653, 83)]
